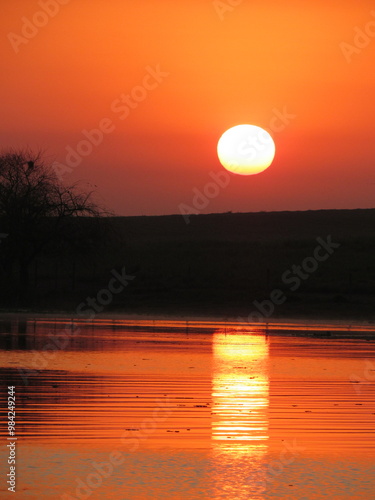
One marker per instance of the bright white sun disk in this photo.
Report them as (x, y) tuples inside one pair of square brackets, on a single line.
[(246, 149)]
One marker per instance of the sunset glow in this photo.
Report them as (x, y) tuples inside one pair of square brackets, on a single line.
[(162, 81)]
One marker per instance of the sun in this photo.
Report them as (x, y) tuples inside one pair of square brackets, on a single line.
[(246, 149)]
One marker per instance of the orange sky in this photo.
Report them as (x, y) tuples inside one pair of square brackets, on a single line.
[(219, 65)]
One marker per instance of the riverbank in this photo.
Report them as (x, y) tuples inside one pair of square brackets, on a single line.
[(22, 321), (314, 264)]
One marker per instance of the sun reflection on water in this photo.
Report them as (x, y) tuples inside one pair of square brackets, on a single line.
[(240, 388)]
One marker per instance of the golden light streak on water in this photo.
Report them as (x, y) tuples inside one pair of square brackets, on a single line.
[(240, 387)]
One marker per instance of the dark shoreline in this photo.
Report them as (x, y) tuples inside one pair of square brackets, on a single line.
[(322, 264), (283, 327)]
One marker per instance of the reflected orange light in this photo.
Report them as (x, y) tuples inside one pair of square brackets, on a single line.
[(240, 387)]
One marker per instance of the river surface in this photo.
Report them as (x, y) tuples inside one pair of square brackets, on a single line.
[(172, 410)]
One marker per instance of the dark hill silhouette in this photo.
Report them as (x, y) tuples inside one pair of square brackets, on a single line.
[(219, 264)]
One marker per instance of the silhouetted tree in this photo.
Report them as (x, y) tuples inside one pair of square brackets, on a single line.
[(34, 210)]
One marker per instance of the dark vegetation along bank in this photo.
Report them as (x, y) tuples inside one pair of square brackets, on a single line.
[(218, 264)]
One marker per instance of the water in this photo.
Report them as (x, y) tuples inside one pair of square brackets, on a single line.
[(149, 410)]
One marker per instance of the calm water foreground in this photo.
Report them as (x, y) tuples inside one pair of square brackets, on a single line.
[(151, 410)]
